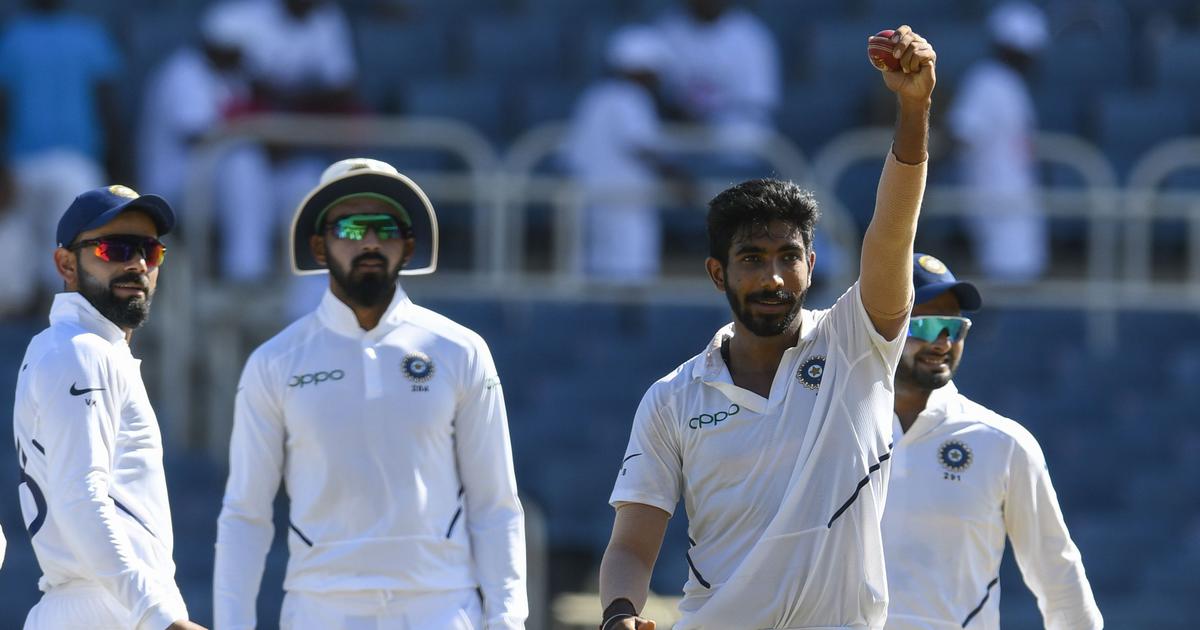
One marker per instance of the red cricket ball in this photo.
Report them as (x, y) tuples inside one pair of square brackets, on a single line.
[(879, 51)]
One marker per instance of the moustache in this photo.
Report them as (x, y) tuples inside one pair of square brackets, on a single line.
[(135, 279), (786, 297), (369, 257)]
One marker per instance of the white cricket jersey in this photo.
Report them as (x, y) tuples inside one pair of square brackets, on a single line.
[(92, 491), (962, 478), (394, 447), (783, 494)]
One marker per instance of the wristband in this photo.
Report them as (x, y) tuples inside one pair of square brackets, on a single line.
[(620, 608)]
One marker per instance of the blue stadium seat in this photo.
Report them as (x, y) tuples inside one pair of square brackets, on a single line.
[(837, 53), (478, 102), (813, 113), (1128, 124), (543, 102), (1177, 65), (1085, 61), (399, 53), (917, 13), (516, 48)]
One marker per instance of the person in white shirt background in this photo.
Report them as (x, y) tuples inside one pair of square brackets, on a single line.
[(612, 150), (993, 122), (299, 57), (963, 478), (724, 70), (92, 489), (776, 436), (386, 421)]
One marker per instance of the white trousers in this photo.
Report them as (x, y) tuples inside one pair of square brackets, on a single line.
[(382, 610), (78, 607)]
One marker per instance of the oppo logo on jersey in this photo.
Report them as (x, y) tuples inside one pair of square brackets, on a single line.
[(316, 378), (713, 419)]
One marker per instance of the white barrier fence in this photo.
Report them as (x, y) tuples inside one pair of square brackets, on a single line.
[(202, 326)]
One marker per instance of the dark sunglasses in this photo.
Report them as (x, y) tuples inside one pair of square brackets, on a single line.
[(354, 227), (123, 247), (930, 327)]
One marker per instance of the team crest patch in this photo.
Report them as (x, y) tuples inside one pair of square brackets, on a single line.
[(811, 371), (954, 456), (123, 191), (932, 265), (417, 367)]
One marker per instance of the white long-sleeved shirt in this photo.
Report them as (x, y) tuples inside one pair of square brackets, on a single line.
[(394, 447), (784, 494), (963, 477), (93, 492)]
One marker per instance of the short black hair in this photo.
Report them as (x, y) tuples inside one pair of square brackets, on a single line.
[(754, 205)]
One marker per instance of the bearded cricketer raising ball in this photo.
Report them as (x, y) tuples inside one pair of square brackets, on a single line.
[(784, 494)]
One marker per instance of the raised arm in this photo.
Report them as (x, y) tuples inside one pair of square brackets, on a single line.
[(885, 278)]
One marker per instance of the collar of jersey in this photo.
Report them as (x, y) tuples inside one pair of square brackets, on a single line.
[(340, 319), (712, 370), (73, 308), (937, 410)]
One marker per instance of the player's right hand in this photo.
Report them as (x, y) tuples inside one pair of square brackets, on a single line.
[(633, 623)]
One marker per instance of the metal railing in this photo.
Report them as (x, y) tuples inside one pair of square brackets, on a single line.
[(1096, 202), (201, 321)]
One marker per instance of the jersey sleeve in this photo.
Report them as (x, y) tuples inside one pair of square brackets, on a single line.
[(652, 469), (245, 527), (3, 547), (1050, 562), (856, 334), (78, 433), (494, 519)]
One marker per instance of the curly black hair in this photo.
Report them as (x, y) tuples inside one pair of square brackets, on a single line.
[(752, 205)]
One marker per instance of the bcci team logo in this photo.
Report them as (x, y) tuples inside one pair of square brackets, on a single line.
[(123, 191), (932, 265), (418, 367), (954, 456), (811, 371)]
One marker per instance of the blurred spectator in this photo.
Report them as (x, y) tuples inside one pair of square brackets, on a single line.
[(611, 150), (723, 70), (994, 121), (192, 93), (299, 55), (59, 121)]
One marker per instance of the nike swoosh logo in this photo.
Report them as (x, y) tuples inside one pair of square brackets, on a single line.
[(80, 392)]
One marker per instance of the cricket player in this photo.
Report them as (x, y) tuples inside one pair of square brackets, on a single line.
[(963, 477), (386, 421), (92, 488), (777, 435)]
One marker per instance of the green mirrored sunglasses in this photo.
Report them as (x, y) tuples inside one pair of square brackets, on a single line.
[(354, 227), (930, 327)]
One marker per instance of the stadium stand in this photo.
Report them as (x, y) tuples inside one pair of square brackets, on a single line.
[(1117, 424)]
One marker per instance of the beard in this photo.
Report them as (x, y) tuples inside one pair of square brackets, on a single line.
[(366, 288), (914, 373), (128, 313), (766, 325)]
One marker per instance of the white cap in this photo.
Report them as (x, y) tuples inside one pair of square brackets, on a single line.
[(1019, 25), (635, 48), (357, 177), (224, 25)]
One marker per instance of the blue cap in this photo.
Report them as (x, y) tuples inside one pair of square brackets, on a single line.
[(931, 278), (98, 206)]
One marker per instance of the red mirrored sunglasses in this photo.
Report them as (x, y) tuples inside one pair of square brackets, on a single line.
[(123, 247)]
